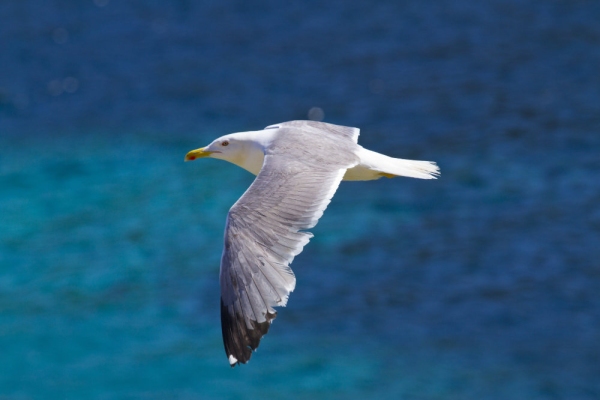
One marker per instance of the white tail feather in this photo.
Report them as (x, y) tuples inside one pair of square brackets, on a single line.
[(398, 166), (412, 168), (375, 165)]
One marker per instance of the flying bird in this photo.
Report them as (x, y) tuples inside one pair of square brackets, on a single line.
[(298, 166)]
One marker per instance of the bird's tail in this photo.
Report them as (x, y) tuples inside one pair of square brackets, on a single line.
[(412, 169), (392, 167)]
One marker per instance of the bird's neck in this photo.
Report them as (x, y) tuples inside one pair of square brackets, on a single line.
[(251, 160), (255, 145)]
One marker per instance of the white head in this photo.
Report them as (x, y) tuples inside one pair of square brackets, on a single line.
[(244, 149)]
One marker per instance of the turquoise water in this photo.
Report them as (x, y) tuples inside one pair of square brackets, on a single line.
[(480, 285), (424, 289)]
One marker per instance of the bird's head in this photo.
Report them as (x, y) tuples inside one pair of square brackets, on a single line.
[(226, 148), (244, 149)]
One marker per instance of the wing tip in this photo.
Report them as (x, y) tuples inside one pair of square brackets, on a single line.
[(239, 340), (232, 361)]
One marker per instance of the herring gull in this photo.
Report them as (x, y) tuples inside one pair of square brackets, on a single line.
[(298, 166)]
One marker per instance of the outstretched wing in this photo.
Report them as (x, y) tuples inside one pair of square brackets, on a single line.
[(340, 130), (265, 229)]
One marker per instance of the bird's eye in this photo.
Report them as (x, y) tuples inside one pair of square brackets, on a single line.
[(225, 143)]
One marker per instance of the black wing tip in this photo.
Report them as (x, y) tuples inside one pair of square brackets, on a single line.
[(239, 341)]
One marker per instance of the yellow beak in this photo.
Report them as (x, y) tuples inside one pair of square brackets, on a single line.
[(198, 153)]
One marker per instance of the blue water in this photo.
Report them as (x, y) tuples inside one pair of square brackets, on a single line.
[(481, 285)]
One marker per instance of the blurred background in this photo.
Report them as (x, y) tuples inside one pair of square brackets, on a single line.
[(483, 284)]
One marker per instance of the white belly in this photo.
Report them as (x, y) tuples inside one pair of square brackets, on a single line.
[(367, 169), (361, 172)]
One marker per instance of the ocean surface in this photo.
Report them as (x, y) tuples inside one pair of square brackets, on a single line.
[(484, 284)]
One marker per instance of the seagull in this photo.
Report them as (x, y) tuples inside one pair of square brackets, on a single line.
[(298, 166)]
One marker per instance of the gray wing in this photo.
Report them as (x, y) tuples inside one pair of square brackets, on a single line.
[(265, 230), (314, 126)]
